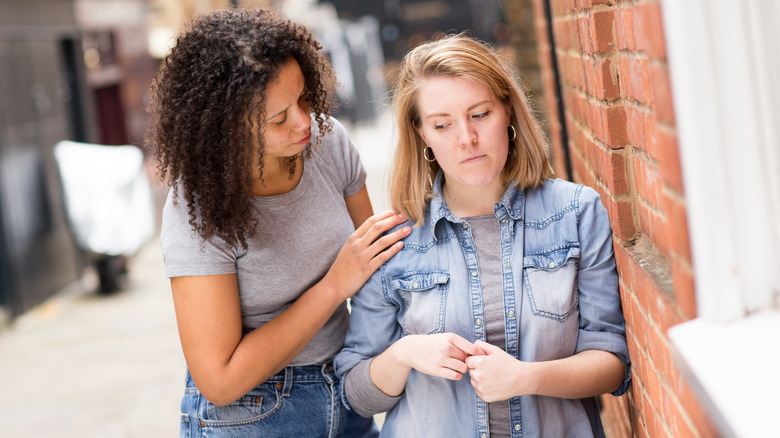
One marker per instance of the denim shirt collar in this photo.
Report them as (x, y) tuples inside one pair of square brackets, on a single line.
[(513, 202)]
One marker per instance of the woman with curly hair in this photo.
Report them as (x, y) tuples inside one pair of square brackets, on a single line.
[(267, 229)]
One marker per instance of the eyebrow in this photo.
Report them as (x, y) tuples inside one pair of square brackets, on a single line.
[(468, 109), (277, 114)]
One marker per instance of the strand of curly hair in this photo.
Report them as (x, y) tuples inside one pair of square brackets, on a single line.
[(204, 101)]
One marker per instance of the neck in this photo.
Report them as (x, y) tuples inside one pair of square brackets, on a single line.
[(464, 201), (277, 178)]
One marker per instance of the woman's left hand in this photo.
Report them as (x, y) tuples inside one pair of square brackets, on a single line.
[(496, 376)]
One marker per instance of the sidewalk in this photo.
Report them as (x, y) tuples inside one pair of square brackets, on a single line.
[(88, 365)]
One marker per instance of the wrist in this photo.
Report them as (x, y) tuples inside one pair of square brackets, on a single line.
[(397, 352), (529, 380), (331, 291)]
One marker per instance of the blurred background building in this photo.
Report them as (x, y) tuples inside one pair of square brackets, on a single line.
[(80, 70)]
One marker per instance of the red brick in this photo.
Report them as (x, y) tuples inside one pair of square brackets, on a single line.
[(652, 420), (653, 227), (651, 136), (583, 35), (635, 127), (588, 79), (635, 79), (669, 159), (611, 167), (606, 82), (659, 352), (676, 421), (622, 218), (684, 291), (615, 131), (646, 293), (678, 235), (692, 407), (647, 180), (662, 93), (649, 29), (624, 29), (602, 27)]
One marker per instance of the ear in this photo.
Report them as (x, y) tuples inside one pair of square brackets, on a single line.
[(419, 132)]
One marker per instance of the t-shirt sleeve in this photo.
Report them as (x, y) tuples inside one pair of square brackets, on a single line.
[(185, 252), (347, 159)]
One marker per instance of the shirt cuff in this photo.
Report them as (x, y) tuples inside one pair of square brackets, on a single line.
[(363, 396)]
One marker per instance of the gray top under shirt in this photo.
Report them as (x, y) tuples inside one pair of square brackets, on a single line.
[(298, 236), (485, 231)]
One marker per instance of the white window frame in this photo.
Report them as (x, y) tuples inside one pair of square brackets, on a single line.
[(724, 66)]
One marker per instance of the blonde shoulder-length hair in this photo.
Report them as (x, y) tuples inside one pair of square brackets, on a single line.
[(411, 179)]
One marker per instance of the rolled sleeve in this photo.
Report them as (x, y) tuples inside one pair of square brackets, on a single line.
[(361, 393), (373, 327), (602, 326)]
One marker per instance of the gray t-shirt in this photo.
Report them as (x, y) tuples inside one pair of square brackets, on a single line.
[(486, 233), (298, 236)]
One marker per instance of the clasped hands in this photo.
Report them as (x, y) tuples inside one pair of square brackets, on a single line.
[(495, 375)]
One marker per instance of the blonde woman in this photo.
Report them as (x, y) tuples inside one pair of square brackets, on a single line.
[(508, 276)]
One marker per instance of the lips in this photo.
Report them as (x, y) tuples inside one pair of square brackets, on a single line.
[(304, 140), (472, 159)]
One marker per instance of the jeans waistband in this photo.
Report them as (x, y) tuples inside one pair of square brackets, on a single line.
[(303, 374)]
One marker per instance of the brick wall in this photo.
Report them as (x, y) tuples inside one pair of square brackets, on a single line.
[(619, 126)]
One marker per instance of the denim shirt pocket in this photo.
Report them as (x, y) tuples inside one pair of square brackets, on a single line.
[(425, 299), (550, 279)]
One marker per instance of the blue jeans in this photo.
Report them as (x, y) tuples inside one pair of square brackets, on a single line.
[(298, 402)]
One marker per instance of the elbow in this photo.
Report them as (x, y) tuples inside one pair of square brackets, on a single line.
[(219, 398), (218, 391)]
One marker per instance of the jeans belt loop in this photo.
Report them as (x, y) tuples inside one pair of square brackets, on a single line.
[(288, 381)]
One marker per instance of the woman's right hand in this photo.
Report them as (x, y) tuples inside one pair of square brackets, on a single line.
[(439, 355), (365, 251)]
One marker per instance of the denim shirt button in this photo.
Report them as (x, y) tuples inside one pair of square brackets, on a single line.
[(504, 221), (518, 427), (465, 226), (484, 435), (552, 265), (416, 285), (506, 264), (511, 313), (478, 322), (474, 273)]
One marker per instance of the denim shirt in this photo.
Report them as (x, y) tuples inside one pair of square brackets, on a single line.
[(561, 297)]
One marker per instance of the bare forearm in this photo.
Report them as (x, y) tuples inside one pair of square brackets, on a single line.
[(265, 351), (585, 374), (388, 373)]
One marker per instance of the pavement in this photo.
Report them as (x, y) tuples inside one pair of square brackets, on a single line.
[(83, 364)]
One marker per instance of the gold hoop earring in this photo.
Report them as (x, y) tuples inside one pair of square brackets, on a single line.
[(425, 154), (514, 133)]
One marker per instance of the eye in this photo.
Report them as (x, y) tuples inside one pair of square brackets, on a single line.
[(281, 122), (439, 126), (481, 115)]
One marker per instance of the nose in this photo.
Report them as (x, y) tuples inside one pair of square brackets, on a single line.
[(302, 115), (468, 135)]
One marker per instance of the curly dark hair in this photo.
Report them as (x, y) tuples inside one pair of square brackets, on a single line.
[(216, 74)]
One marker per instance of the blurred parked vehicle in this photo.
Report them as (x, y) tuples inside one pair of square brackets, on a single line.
[(109, 204)]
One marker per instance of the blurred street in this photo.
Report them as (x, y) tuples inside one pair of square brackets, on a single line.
[(89, 365)]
